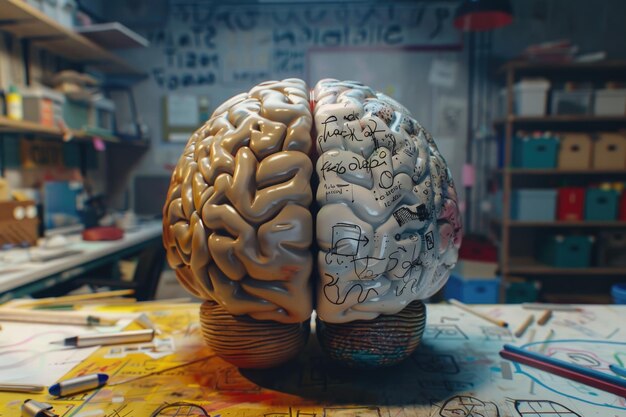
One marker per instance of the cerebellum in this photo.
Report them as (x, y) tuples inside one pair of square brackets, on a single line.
[(239, 217)]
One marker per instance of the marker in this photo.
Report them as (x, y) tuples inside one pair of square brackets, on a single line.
[(133, 336), (32, 408), (80, 384), (8, 386), (618, 370)]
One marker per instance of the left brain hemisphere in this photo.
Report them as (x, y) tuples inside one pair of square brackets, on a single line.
[(237, 224)]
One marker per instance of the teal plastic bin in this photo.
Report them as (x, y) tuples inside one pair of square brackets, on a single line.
[(601, 205), (472, 290), (535, 152), (75, 114), (566, 251), (618, 291), (521, 292), (533, 205)]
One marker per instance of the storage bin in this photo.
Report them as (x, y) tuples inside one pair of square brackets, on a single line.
[(610, 102), (570, 204), (575, 151), (572, 102), (565, 251), (478, 249), (75, 113), (533, 205), (622, 206), (609, 151), (601, 205), (522, 291), (475, 269), (611, 249), (535, 152), (101, 114), (530, 97), (472, 291), (43, 106), (618, 291)]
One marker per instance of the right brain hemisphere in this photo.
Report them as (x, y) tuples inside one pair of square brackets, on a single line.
[(388, 228), (237, 221)]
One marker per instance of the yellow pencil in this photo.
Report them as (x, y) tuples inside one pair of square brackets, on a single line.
[(68, 299), (464, 307), (53, 317)]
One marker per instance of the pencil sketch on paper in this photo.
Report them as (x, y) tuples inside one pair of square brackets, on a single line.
[(468, 406)]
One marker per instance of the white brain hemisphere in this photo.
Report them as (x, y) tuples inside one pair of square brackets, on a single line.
[(238, 220)]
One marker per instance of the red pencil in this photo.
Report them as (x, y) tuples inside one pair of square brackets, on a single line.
[(565, 373)]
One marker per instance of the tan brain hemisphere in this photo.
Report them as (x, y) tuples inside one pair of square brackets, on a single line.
[(238, 223)]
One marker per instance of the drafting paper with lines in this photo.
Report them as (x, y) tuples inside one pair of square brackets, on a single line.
[(455, 372)]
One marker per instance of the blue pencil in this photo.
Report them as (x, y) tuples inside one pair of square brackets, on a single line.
[(566, 365), (619, 370)]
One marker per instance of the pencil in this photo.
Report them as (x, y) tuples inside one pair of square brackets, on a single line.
[(592, 381), (553, 307), (8, 386), (131, 336), (68, 299), (543, 319), (544, 345), (53, 317), (525, 325), (462, 306)]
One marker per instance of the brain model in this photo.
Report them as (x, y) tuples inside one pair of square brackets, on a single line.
[(243, 231)]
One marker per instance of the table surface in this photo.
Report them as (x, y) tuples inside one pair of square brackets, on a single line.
[(15, 273), (456, 371)]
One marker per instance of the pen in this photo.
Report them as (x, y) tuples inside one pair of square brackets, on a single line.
[(79, 384), (8, 386), (133, 336), (53, 317), (32, 408)]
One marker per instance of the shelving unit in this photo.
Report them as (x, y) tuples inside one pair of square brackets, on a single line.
[(24, 21), (509, 231)]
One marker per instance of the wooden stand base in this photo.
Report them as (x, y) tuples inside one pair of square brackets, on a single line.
[(384, 341), (249, 343)]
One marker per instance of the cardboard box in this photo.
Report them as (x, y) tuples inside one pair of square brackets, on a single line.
[(575, 151), (609, 151), (18, 223)]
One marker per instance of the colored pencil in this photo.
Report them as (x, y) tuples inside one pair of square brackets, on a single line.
[(467, 308), (553, 307), (568, 370), (525, 325), (543, 319)]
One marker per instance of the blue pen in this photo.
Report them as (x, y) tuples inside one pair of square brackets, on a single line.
[(621, 371), (80, 384), (567, 365)]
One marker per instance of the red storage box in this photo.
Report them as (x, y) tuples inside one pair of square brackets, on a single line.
[(478, 250), (570, 204)]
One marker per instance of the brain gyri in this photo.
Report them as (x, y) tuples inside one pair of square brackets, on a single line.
[(242, 228)]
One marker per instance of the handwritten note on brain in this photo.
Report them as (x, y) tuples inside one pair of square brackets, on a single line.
[(238, 225)]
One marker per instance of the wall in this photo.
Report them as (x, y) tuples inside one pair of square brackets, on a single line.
[(200, 49)]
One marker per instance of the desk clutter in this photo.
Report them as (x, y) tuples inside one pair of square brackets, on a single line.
[(469, 361)]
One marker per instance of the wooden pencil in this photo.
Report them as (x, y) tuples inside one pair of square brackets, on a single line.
[(545, 316), (524, 326), (470, 310), (54, 317), (68, 299)]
